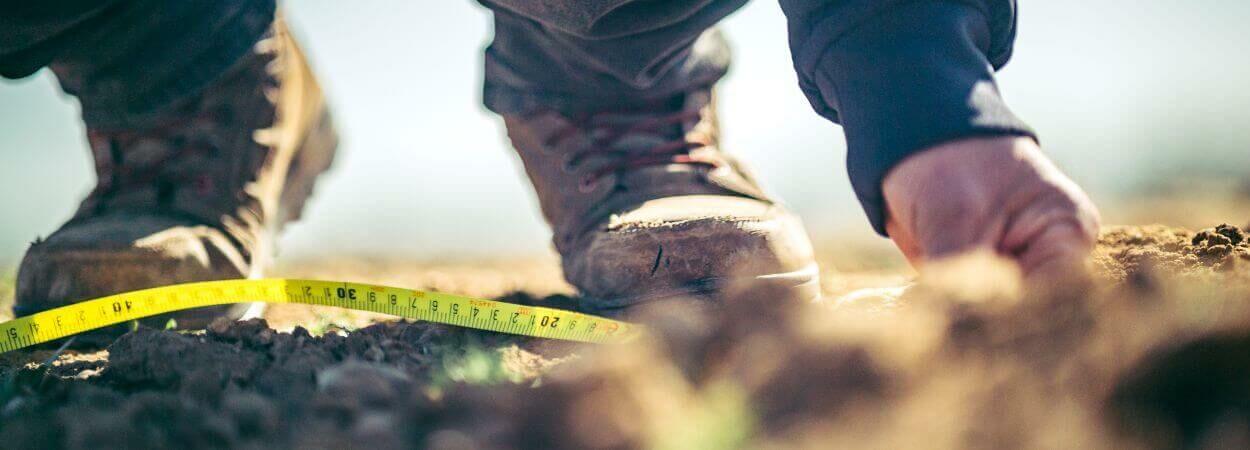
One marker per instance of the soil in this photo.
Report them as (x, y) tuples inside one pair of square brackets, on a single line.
[(1127, 251), (1152, 352)]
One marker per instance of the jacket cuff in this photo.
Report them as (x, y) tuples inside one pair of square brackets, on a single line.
[(910, 78)]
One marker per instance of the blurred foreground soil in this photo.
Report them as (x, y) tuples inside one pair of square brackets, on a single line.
[(1154, 352)]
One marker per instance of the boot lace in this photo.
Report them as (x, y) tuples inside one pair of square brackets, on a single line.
[(603, 156)]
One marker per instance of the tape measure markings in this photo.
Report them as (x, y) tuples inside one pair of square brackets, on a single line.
[(491, 315)]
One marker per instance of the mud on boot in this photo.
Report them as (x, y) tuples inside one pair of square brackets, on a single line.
[(644, 206), (199, 196)]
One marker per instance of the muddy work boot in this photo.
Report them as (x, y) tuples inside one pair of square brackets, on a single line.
[(198, 197), (645, 206)]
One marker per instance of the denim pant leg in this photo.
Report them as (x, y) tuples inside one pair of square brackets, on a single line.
[(129, 61), (591, 54)]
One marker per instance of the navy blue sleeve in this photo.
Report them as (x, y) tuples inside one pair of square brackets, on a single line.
[(902, 76)]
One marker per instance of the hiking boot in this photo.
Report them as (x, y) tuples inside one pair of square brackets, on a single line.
[(198, 197), (644, 206)]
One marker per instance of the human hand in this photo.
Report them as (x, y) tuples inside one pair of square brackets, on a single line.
[(996, 193)]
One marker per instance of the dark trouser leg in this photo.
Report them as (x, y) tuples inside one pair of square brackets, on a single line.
[(129, 61), (605, 53)]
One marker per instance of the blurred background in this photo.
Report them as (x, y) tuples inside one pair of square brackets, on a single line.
[(1144, 102)]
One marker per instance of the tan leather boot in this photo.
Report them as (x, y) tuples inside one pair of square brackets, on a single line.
[(644, 206), (199, 197)]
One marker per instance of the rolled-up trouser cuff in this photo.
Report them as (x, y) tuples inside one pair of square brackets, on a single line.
[(172, 52), (503, 97), (532, 64)]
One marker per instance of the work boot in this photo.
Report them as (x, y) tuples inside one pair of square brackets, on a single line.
[(644, 206), (198, 197)]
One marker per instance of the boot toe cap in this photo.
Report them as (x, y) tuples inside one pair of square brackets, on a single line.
[(689, 243), (106, 256)]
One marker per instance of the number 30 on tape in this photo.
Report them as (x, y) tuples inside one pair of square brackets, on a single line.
[(437, 307)]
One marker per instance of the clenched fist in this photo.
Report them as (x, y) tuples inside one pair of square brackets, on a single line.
[(997, 193)]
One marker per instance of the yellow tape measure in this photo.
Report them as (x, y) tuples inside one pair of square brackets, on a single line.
[(438, 307)]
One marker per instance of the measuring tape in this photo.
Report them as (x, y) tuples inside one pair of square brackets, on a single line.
[(437, 307)]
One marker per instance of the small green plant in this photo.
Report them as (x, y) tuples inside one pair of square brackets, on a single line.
[(326, 324), (469, 361), (720, 419)]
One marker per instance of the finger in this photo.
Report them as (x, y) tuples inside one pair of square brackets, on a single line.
[(1045, 211), (1058, 250)]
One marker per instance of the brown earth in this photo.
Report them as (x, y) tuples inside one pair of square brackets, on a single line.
[(1153, 352)]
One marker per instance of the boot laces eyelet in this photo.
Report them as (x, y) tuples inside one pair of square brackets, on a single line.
[(587, 183)]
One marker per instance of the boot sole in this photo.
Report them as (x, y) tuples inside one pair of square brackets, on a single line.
[(314, 158), (802, 284)]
